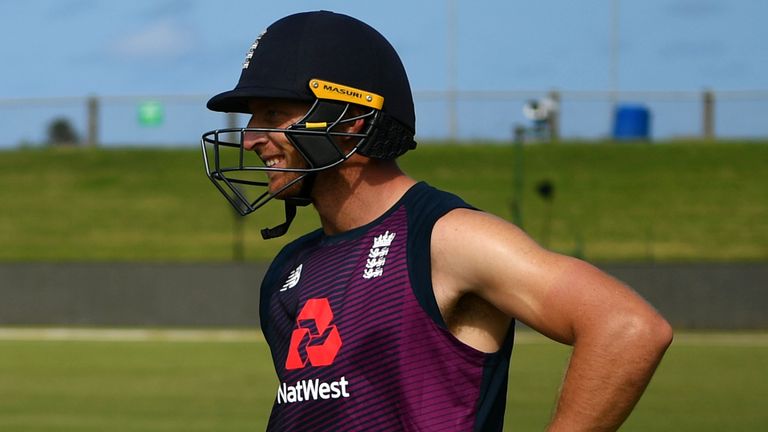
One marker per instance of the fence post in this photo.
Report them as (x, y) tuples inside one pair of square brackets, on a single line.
[(453, 118), (708, 114), (554, 117), (519, 178), (93, 121)]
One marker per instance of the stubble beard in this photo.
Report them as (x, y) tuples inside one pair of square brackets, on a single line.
[(278, 180)]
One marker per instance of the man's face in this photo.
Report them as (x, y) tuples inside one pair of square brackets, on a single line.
[(273, 147)]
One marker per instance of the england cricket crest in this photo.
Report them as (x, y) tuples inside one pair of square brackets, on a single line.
[(377, 256)]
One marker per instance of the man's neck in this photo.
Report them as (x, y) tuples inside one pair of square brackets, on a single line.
[(358, 193)]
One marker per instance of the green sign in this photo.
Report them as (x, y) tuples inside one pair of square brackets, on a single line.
[(151, 113)]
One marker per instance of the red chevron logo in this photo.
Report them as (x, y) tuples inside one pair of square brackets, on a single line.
[(315, 341)]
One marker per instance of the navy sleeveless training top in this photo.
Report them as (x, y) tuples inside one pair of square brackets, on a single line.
[(358, 341)]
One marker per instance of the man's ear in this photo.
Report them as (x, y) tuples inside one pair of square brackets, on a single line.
[(356, 126)]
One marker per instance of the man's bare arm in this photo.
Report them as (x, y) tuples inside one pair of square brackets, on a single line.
[(618, 339)]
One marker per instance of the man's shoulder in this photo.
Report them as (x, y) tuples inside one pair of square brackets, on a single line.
[(427, 204), (300, 243), (290, 251), (431, 199)]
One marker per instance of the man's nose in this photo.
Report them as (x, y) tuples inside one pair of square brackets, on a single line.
[(252, 139)]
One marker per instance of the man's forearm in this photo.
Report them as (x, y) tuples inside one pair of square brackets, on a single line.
[(607, 374)]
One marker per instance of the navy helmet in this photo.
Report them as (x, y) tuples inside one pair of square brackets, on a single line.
[(333, 62)]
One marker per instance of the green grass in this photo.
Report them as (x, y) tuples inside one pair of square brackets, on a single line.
[(707, 382), (134, 386), (665, 202)]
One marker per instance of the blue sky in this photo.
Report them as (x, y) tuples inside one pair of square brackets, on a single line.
[(81, 47)]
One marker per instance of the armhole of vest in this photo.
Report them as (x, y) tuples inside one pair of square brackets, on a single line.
[(493, 388), (425, 209)]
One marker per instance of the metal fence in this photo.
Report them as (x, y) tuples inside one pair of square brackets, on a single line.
[(442, 115)]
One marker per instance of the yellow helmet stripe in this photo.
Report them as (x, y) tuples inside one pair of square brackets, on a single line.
[(328, 90)]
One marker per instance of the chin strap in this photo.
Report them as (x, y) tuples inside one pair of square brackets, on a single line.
[(290, 213), (302, 200)]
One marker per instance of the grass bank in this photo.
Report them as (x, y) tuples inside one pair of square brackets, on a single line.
[(665, 201)]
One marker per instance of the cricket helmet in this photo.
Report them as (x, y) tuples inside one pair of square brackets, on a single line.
[(345, 70)]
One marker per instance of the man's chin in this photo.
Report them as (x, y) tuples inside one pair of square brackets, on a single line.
[(291, 191)]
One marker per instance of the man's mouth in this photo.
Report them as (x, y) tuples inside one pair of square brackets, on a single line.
[(271, 162)]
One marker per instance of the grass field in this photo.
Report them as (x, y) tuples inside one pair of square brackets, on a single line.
[(663, 201), (193, 382)]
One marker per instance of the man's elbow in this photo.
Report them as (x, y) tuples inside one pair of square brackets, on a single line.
[(651, 332), (663, 333)]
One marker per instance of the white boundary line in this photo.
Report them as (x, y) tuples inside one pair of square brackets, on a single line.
[(744, 338), (523, 337), (734, 339), (129, 335)]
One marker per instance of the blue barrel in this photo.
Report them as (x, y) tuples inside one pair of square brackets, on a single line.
[(632, 122)]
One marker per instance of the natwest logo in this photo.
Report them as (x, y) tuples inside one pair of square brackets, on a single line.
[(315, 341), (307, 390)]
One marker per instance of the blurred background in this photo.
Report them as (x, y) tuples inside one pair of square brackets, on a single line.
[(630, 134), (139, 73)]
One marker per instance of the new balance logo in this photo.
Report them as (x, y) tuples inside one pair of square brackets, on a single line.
[(293, 278), (377, 256), (315, 342)]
